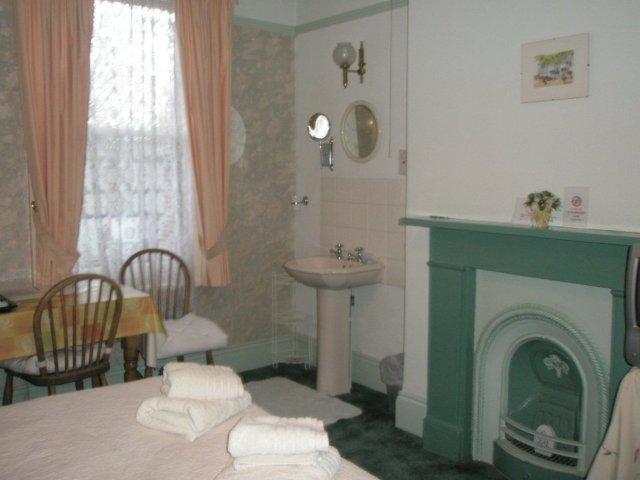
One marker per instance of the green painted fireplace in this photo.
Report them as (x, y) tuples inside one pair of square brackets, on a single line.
[(547, 382)]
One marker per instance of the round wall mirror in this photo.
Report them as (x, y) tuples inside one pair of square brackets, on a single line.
[(360, 131), (319, 126)]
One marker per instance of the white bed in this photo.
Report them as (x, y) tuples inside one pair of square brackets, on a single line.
[(93, 434)]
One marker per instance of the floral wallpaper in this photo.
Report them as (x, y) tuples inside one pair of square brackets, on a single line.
[(15, 254), (262, 181)]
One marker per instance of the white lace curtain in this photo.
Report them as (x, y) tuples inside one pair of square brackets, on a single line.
[(138, 179)]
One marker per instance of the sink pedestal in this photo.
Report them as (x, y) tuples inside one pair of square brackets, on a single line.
[(334, 352)]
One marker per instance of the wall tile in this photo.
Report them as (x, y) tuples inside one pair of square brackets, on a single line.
[(377, 217), (377, 193), (342, 215), (343, 190), (394, 214), (396, 191), (360, 190), (377, 243), (394, 272), (328, 189), (396, 245), (358, 215)]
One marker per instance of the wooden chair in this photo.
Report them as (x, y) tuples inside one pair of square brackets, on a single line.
[(74, 326), (165, 276)]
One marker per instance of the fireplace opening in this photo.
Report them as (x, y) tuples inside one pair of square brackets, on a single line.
[(542, 416)]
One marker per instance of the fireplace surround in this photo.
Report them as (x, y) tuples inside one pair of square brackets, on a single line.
[(458, 249)]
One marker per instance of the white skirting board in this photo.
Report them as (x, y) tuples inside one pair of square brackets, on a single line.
[(410, 413)]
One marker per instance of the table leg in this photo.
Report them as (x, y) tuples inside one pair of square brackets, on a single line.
[(130, 348)]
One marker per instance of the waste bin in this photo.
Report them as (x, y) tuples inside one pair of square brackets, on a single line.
[(391, 371)]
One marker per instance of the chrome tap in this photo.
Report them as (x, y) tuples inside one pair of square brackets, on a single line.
[(357, 256), (337, 251)]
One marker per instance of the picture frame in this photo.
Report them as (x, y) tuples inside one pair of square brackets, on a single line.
[(555, 69)]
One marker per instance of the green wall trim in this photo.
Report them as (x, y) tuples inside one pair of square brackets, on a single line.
[(357, 14), (268, 26), (613, 237), (457, 250), (352, 15)]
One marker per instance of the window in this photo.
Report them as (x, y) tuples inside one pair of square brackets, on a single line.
[(138, 179)]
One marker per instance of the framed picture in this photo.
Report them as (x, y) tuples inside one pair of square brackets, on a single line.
[(555, 69)]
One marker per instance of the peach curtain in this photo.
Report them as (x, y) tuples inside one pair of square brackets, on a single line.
[(54, 39), (205, 37)]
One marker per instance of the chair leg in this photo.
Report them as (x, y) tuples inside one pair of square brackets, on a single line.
[(103, 380), (148, 372), (180, 358), (51, 389), (209, 355), (7, 397), (79, 385), (95, 381)]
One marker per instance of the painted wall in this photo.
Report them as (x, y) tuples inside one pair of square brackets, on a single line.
[(377, 319), (262, 182), (473, 147), (15, 254)]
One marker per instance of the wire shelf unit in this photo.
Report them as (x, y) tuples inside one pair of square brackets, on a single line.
[(290, 327)]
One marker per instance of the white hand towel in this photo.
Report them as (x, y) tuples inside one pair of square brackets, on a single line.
[(277, 436), (325, 467), (200, 382), (619, 455), (187, 417)]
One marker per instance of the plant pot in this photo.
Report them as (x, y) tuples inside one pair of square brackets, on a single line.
[(541, 218)]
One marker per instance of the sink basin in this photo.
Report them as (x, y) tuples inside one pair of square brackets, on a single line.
[(332, 279), (333, 274)]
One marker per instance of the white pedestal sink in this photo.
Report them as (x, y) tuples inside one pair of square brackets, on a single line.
[(332, 279)]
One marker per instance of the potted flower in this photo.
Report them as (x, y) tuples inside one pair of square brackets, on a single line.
[(542, 205)]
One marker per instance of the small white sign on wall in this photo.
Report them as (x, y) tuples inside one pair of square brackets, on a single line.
[(575, 210)]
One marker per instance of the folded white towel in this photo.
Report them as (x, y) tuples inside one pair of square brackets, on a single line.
[(277, 436), (200, 382), (325, 467), (252, 461), (187, 417)]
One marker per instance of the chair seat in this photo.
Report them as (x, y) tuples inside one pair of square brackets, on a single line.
[(29, 365), (189, 334)]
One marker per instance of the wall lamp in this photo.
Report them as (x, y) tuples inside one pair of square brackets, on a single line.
[(344, 55)]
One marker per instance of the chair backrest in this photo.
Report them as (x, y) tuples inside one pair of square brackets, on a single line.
[(76, 320), (164, 276)]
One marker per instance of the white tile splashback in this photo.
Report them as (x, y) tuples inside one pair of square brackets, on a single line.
[(365, 212)]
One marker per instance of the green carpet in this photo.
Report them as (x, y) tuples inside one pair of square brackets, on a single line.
[(372, 442)]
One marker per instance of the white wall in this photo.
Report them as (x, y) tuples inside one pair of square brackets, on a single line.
[(473, 147), (378, 316)]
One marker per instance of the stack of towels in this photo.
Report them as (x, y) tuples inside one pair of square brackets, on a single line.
[(195, 398), (279, 448)]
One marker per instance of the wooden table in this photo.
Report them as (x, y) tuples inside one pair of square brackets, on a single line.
[(139, 316)]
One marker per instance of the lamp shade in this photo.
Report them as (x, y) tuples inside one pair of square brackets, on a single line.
[(344, 54)]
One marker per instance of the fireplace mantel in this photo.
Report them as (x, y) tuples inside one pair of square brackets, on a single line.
[(457, 249)]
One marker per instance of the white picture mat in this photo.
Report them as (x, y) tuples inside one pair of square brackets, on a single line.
[(580, 85)]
